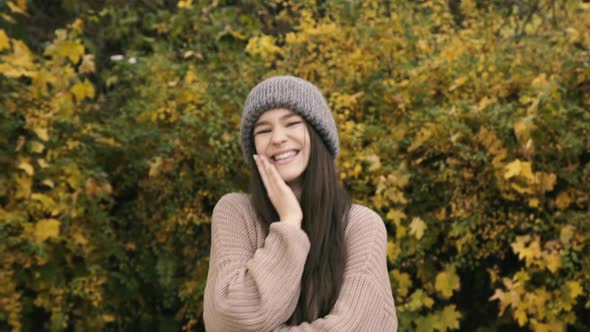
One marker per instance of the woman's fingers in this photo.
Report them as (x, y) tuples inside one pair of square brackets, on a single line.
[(281, 196), (262, 171), (274, 175), (270, 176), (274, 182)]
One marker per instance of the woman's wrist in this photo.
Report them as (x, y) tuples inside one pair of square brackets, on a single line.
[(291, 221)]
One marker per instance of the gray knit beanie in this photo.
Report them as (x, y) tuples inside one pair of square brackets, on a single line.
[(298, 96)]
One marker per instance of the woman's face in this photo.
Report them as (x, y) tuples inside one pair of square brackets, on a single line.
[(282, 136)]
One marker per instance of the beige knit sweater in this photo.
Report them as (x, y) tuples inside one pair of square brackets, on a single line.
[(254, 278)]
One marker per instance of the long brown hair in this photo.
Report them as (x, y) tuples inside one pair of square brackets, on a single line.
[(325, 205)]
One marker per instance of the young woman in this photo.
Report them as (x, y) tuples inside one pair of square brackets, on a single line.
[(295, 254)]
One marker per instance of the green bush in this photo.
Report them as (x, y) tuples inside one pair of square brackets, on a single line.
[(464, 124)]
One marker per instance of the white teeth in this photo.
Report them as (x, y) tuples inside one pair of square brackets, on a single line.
[(285, 155)]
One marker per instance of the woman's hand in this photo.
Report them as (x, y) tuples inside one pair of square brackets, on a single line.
[(281, 195)]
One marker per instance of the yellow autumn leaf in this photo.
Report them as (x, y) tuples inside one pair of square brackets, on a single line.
[(573, 35), (19, 8), (28, 168), (4, 41), (71, 49), (552, 261), (574, 288), (185, 4), (41, 80), (520, 315), (92, 187), (396, 216), (49, 183), (37, 147), (7, 18), (108, 318), (105, 140), (519, 168), (540, 81), (82, 90), (191, 75), (548, 327), (485, 102), (41, 133), (374, 162), (423, 135), (417, 227), (400, 232), (500, 296), (527, 171), (521, 189), (528, 149), (520, 243), (446, 282), (546, 181), (393, 251), (523, 129), (87, 65), (563, 200), (530, 252), (77, 26), (45, 229), (22, 55), (42, 163), (512, 169), (403, 282), (47, 202), (566, 233), (448, 318), (155, 166), (236, 34), (419, 299), (131, 246), (458, 82), (19, 62), (263, 46), (80, 239), (24, 184)]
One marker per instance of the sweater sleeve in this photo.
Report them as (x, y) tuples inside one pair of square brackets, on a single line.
[(249, 288), (365, 302)]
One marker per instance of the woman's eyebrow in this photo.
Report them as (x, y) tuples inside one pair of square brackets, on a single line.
[(284, 117)]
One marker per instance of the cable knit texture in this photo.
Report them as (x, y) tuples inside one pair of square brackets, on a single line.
[(254, 279), (298, 96)]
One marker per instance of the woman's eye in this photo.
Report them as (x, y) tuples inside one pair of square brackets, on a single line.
[(293, 123), (262, 132)]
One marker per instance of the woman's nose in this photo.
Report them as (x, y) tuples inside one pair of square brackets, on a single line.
[(278, 136)]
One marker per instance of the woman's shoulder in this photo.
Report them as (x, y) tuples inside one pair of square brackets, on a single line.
[(234, 214), (365, 213), (233, 202), (235, 198), (362, 219)]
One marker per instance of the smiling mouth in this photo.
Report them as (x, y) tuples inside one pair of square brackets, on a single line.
[(285, 159)]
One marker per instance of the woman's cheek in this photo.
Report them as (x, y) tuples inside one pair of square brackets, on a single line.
[(258, 144)]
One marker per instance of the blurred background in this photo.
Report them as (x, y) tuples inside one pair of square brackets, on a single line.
[(464, 123)]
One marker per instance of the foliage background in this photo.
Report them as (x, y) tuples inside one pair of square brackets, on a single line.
[(463, 123)]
